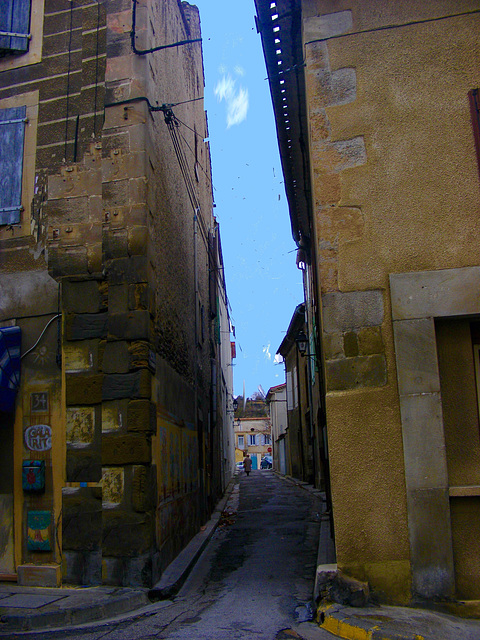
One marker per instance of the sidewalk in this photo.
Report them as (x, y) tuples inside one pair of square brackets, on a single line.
[(388, 623), (29, 609), (384, 622)]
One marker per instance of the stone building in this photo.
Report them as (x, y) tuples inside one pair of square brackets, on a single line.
[(276, 400), (253, 436), (377, 114), (110, 282), (304, 454)]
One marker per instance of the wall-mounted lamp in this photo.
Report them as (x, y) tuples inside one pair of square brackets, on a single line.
[(302, 342)]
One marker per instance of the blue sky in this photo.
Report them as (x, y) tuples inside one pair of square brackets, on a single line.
[(263, 284)]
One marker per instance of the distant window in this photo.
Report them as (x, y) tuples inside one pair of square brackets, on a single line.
[(241, 442), (268, 439), (289, 391), (14, 26), (12, 136), (295, 387), (252, 439)]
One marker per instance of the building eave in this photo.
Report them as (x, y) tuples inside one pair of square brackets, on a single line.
[(296, 324), (282, 47)]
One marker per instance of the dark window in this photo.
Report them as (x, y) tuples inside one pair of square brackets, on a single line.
[(12, 134), (474, 99), (14, 25)]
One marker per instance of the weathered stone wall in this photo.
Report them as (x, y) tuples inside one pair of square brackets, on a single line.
[(390, 196), (112, 221)]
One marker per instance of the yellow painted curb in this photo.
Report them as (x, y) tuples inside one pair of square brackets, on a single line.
[(344, 630), (349, 631)]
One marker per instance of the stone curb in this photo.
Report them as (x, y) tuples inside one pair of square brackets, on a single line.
[(74, 615), (394, 623), (177, 571), (338, 623)]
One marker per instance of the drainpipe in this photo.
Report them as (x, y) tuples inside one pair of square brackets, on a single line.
[(309, 371)]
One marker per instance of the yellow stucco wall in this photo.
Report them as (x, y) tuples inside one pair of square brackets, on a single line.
[(395, 189)]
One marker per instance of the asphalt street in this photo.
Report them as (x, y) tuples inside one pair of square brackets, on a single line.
[(253, 581)]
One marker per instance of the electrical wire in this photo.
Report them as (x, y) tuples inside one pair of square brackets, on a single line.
[(193, 154), (149, 104), (173, 124), (41, 335), (393, 26)]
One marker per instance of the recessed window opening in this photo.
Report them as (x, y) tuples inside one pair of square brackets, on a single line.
[(275, 16), (276, 29)]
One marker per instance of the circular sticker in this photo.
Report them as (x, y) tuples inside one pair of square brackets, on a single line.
[(38, 437)]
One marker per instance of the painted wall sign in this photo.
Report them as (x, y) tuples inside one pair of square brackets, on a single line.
[(38, 437)]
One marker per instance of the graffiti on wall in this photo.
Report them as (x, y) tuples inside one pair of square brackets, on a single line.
[(178, 482)]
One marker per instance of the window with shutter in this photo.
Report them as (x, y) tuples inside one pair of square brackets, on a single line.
[(14, 26), (12, 135)]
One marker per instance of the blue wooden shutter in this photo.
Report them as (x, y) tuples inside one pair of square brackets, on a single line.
[(12, 134), (10, 341), (14, 25)]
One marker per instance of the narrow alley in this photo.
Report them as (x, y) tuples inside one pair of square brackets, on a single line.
[(254, 579)]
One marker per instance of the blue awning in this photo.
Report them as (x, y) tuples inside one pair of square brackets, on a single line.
[(10, 342)]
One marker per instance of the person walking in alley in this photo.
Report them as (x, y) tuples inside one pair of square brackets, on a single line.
[(247, 464)]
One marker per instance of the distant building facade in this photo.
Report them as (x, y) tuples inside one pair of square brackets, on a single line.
[(116, 440), (253, 436), (276, 400)]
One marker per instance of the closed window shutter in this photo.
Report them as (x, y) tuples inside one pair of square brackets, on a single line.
[(12, 134), (14, 25)]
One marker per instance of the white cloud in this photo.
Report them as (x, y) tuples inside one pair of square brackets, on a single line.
[(266, 352), (240, 71), (236, 100)]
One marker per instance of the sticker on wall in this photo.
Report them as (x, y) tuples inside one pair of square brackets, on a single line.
[(38, 437), (38, 537), (33, 475)]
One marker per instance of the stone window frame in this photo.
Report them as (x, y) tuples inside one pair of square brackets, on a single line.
[(30, 100), (241, 441), (418, 298), (34, 53)]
